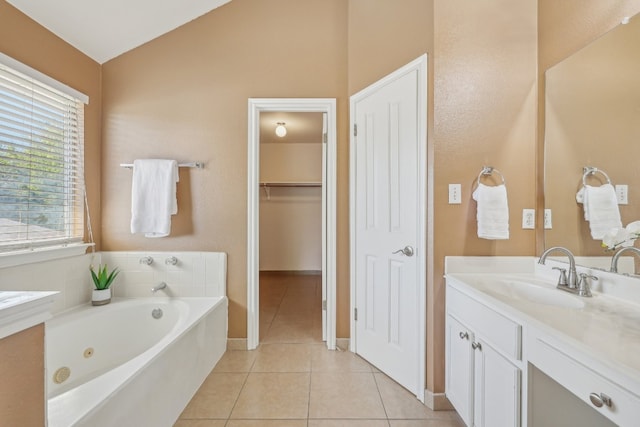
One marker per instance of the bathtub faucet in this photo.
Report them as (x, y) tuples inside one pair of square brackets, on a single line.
[(146, 260), (171, 261), (160, 286)]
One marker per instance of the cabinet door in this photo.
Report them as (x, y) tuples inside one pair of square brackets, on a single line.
[(459, 369), (497, 389)]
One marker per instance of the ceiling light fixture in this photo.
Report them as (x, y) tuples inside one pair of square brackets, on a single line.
[(281, 131)]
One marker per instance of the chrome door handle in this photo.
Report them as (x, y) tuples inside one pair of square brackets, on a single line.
[(406, 251)]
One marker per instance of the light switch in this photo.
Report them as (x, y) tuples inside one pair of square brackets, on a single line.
[(455, 196), (622, 193)]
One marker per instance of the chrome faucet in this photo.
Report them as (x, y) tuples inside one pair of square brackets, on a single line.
[(171, 261), (147, 260), (158, 287), (573, 283), (614, 259)]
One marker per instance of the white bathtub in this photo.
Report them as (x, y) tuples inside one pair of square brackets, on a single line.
[(126, 368)]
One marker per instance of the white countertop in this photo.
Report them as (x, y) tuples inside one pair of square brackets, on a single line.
[(603, 328), (22, 310)]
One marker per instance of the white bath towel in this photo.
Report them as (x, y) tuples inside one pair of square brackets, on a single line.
[(600, 209), (492, 212), (153, 196)]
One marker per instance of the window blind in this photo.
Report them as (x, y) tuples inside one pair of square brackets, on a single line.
[(41, 163)]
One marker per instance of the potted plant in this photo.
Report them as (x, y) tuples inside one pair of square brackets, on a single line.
[(102, 281)]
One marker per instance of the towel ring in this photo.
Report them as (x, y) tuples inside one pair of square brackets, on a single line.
[(488, 171), (590, 170)]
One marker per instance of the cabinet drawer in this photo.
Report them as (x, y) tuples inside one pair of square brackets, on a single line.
[(582, 381), (501, 332)]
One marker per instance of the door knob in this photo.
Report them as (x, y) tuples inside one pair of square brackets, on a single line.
[(406, 251)]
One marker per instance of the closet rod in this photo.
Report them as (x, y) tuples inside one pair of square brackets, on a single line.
[(290, 184)]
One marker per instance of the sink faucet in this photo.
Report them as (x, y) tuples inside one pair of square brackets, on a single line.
[(158, 287), (574, 284), (572, 281), (614, 259)]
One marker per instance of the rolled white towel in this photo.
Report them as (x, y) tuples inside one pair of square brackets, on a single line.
[(492, 212)]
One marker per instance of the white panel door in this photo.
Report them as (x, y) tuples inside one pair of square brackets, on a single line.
[(387, 228)]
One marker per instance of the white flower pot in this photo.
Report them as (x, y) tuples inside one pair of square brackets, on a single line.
[(101, 296)]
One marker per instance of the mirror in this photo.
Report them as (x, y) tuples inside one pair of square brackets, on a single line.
[(592, 118)]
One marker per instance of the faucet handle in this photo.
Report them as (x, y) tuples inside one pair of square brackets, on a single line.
[(584, 290), (562, 280)]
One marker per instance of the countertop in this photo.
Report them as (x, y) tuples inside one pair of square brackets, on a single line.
[(22, 310), (602, 328)]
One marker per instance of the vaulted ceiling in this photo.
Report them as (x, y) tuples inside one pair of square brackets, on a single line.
[(103, 29)]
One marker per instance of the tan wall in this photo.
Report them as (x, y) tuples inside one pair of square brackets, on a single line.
[(485, 114), (291, 217), (184, 96), (22, 373), (26, 41)]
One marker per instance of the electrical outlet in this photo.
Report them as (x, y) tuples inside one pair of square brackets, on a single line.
[(455, 196), (528, 219), (622, 193), (548, 225)]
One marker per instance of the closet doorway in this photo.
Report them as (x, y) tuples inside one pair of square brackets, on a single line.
[(293, 179)]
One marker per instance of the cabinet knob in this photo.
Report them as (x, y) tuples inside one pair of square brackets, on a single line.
[(476, 346), (464, 335), (599, 399)]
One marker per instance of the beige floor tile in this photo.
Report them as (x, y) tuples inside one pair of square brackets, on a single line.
[(293, 332), (267, 423), (236, 361), (216, 397), (323, 360), (401, 404), (348, 423), (283, 358), (344, 395), (200, 423), (273, 396), (426, 423)]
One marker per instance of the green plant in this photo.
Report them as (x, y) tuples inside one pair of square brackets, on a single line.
[(103, 280)]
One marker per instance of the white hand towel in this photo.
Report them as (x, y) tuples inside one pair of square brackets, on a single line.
[(600, 209), (153, 196), (492, 212)]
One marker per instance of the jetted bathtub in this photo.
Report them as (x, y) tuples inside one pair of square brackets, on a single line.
[(134, 362)]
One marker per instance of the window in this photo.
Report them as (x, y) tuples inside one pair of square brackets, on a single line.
[(41, 160)]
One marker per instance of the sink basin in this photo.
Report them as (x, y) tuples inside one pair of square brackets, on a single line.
[(531, 292)]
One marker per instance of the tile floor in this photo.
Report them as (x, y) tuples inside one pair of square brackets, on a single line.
[(292, 380)]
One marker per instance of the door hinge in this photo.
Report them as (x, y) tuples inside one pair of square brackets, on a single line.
[(355, 129), (324, 138), (324, 304), (355, 314)]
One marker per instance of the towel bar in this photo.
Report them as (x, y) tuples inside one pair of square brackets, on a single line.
[(198, 165), (489, 170), (590, 170)]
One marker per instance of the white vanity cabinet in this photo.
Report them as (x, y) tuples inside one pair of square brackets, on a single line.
[(483, 355)]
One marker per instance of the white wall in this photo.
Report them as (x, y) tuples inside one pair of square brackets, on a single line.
[(291, 218)]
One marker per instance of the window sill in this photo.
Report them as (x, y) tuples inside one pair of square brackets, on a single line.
[(12, 259)]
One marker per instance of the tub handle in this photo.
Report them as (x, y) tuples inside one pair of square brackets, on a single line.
[(171, 261)]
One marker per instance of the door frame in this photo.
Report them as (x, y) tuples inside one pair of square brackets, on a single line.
[(319, 105), (419, 64)]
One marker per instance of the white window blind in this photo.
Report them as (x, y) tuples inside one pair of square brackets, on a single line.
[(41, 163)]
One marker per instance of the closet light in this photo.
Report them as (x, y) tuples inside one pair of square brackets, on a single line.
[(281, 131)]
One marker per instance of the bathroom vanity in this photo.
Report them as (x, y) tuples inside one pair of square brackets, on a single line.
[(520, 352)]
